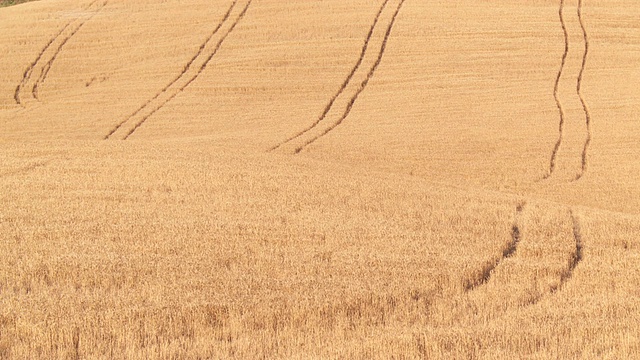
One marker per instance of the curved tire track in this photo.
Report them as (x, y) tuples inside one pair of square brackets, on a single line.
[(172, 89), (585, 108), (507, 252), (556, 148), (576, 255), (584, 151), (45, 69), (530, 277), (27, 73), (74, 26)]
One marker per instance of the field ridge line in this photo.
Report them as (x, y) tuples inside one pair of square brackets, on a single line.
[(27, 169), (363, 85), (507, 252), (556, 96), (345, 83), (194, 77), (585, 108)]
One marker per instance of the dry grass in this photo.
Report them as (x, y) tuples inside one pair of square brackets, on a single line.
[(313, 179)]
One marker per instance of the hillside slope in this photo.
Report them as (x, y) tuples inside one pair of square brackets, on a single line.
[(319, 179)]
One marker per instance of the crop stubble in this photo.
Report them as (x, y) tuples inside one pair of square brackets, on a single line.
[(540, 251)]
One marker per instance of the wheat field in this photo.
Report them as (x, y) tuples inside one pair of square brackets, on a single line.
[(267, 179)]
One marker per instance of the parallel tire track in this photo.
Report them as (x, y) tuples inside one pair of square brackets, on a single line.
[(344, 95), (585, 108), (530, 277), (585, 150), (45, 70), (177, 78), (27, 75), (507, 252), (344, 84), (556, 148), (363, 85), (183, 75)]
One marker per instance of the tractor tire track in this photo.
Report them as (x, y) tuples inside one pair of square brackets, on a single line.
[(30, 68), (585, 108), (344, 84), (177, 78), (556, 148), (562, 131), (507, 252), (27, 75), (543, 263), (194, 77), (363, 85), (576, 255), (45, 69), (172, 93)]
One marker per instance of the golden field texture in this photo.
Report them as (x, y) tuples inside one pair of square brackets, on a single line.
[(389, 179)]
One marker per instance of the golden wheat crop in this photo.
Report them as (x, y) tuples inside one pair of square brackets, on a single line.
[(263, 179)]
